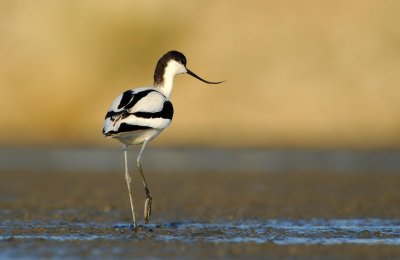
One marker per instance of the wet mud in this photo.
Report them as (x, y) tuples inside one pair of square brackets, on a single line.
[(299, 215)]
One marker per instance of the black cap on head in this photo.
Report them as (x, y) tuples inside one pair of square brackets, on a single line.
[(163, 62), (173, 55)]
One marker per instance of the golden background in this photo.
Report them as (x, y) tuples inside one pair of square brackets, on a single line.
[(320, 74)]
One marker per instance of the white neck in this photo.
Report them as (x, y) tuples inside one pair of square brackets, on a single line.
[(173, 68), (166, 85)]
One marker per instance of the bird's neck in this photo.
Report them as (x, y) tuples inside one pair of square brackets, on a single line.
[(166, 87), (164, 83)]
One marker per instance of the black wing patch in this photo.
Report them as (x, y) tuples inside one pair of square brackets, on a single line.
[(126, 128), (167, 112), (129, 99), (126, 97)]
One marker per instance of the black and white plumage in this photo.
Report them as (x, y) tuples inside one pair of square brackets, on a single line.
[(138, 115)]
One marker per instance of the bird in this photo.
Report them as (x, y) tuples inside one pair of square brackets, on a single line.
[(138, 115)]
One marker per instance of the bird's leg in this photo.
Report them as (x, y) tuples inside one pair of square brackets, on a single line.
[(147, 203), (128, 183)]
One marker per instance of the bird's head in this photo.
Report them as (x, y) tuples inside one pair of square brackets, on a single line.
[(173, 63)]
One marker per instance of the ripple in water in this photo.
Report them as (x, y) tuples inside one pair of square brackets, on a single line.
[(282, 232)]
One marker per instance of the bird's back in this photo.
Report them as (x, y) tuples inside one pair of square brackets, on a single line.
[(138, 114)]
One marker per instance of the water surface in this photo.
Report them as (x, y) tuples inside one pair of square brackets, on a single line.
[(282, 232)]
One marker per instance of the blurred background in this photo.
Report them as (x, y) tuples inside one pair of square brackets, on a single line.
[(300, 75)]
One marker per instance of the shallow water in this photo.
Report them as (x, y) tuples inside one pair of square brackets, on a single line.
[(281, 232), (217, 216)]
